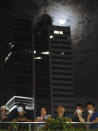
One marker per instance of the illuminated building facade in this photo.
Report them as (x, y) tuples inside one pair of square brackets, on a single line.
[(53, 66)]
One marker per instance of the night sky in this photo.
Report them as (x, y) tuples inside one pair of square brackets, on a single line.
[(81, 15)]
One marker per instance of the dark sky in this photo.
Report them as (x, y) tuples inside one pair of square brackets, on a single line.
[(84, 36)]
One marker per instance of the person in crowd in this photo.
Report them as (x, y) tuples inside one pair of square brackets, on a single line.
[(61, 112), (43, 115), (21, 114), (4, 110), (79, 115), (92, 115)]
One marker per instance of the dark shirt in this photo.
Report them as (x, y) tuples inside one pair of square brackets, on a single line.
[(75, 118), (65, 115), (21, 117), (5, 120), (93, 117)]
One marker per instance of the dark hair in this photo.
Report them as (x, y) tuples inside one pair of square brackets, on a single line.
[(80, 105), (90, 103), (43, 108), (60, 106)]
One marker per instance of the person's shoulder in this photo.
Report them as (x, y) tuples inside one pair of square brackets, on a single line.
[(68, 115), (49, 115), (96, 114), (54, 116)]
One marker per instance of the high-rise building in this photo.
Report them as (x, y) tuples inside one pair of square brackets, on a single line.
[(62, 90), (53, 65), (18, 62), (39, 69), (42, 64)]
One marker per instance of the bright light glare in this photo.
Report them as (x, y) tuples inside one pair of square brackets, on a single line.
[(8, 56), (12, 46), (67, 15), (10, 43), (62, 53), (51, 36), (58, 32), (45, 53), (38, 58), (62, 21), (34, 51)]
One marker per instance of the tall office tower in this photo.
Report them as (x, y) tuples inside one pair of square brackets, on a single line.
[(18, 62), (62, 90), (42, 63), (53, 65)]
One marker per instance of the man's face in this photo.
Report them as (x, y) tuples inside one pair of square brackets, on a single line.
[(90, 107), (43, 111), (61, 110)]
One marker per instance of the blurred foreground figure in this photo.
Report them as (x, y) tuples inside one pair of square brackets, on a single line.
[(92, 115), (4, 110), (21, 116), (79, 115), (61, 112), (43, 116)]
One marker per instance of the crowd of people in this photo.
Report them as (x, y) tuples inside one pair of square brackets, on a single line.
[(79, 114)]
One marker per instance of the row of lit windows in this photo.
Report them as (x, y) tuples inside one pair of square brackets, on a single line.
[(56, 32), (36, 58)]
